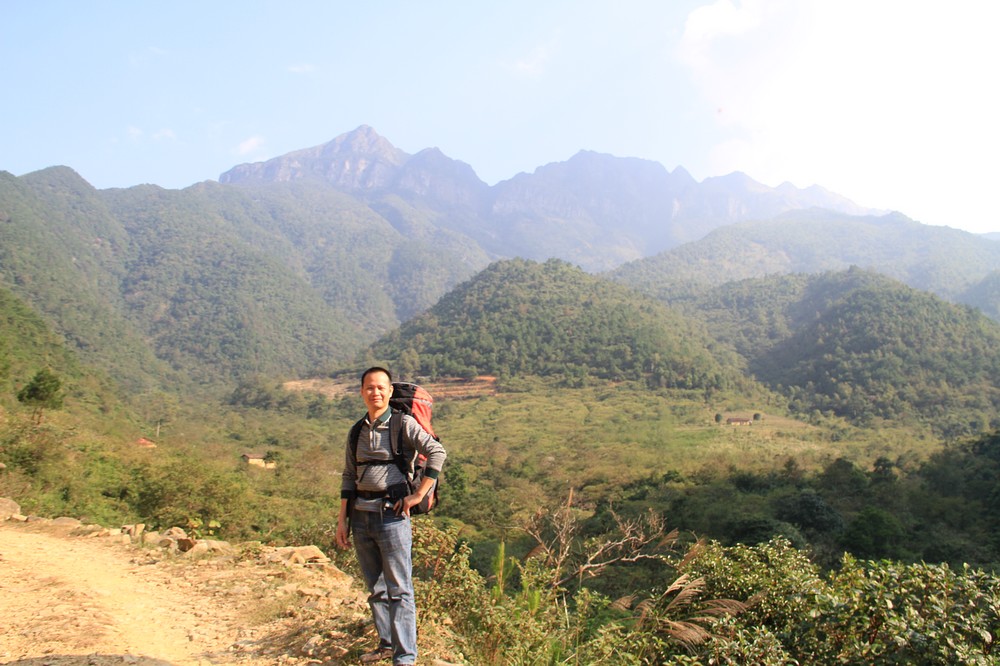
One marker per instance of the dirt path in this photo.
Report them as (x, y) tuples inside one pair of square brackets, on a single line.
[(96, 601)]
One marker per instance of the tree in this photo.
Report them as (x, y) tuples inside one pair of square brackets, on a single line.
[(44, 391)]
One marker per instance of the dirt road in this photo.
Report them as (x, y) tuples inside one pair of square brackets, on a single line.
[(96, 601)]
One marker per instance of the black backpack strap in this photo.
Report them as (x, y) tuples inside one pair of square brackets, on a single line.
[(396, 440), (353, 439)]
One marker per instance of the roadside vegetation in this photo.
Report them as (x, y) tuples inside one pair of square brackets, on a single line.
[(587, 524)]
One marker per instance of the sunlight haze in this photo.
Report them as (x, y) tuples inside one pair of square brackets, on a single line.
[(888, 103)]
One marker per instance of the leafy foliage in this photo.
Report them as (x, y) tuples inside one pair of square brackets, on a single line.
[(44, 391), (882, 612), (763, 604)]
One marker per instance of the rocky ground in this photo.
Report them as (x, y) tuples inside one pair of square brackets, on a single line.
[(70, 594)]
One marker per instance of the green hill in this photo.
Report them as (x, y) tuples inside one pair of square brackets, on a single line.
[(864, 347), (63, 253), (520, 318), (211, 302)]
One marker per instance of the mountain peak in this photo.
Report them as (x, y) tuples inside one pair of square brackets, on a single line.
[(362, 141), (357, 160)]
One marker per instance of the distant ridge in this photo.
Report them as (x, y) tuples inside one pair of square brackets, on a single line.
[(944, 261), (594, 210)]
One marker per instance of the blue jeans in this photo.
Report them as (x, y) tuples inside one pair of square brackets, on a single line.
[(383, 542)]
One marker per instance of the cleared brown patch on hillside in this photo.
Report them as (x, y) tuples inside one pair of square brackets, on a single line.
[(444, 389), (328, 388), (459, 389)]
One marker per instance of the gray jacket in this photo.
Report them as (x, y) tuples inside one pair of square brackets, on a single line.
[(374, 445)]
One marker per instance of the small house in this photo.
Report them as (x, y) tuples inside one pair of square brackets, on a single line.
[(258, 460)]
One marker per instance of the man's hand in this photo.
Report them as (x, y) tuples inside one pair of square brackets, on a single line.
[(343, 536), (403, 506)]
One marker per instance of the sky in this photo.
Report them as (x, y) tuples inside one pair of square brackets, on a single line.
[(890, 103)]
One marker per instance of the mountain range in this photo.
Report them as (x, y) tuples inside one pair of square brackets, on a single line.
[(953, 264), (594, 210), (296, 265)]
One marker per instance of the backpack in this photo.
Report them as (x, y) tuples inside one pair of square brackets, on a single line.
[(407, 398)]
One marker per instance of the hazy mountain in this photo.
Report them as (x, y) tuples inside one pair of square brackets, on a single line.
[(984, 295), (941, 260), (593, 210)]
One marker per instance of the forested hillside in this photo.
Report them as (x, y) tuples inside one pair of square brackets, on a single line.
[(205, 286), (864, 347), (985, 295), (27, 345), (62, 252), (522, 318)]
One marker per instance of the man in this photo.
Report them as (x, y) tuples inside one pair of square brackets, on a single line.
[(375, 506)]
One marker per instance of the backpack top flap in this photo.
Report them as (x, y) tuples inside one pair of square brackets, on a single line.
[(414, 400)]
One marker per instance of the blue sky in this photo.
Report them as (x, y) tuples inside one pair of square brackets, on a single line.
[(891, 103)]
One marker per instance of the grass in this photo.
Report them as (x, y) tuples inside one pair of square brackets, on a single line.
[(620, 431), (596, 439)]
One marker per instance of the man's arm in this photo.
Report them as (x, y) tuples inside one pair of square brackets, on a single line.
[(348, 488), (426, 444), (343, 535)]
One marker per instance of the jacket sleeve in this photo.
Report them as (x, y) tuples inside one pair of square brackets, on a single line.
[(426, 444)]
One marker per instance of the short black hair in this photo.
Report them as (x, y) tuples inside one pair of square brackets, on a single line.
[(375, 368)]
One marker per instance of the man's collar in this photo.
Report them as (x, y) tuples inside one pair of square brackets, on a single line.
[(382, 419)]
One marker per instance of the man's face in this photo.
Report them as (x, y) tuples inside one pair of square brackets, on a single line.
[(376, 391)]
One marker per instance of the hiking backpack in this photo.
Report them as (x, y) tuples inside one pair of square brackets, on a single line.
[(407, 398)]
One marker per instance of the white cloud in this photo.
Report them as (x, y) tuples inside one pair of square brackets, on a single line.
[(165, 134), (534, 62), (302, 68), (133, 133), (140, 59), (249, 146), (887, 102)]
